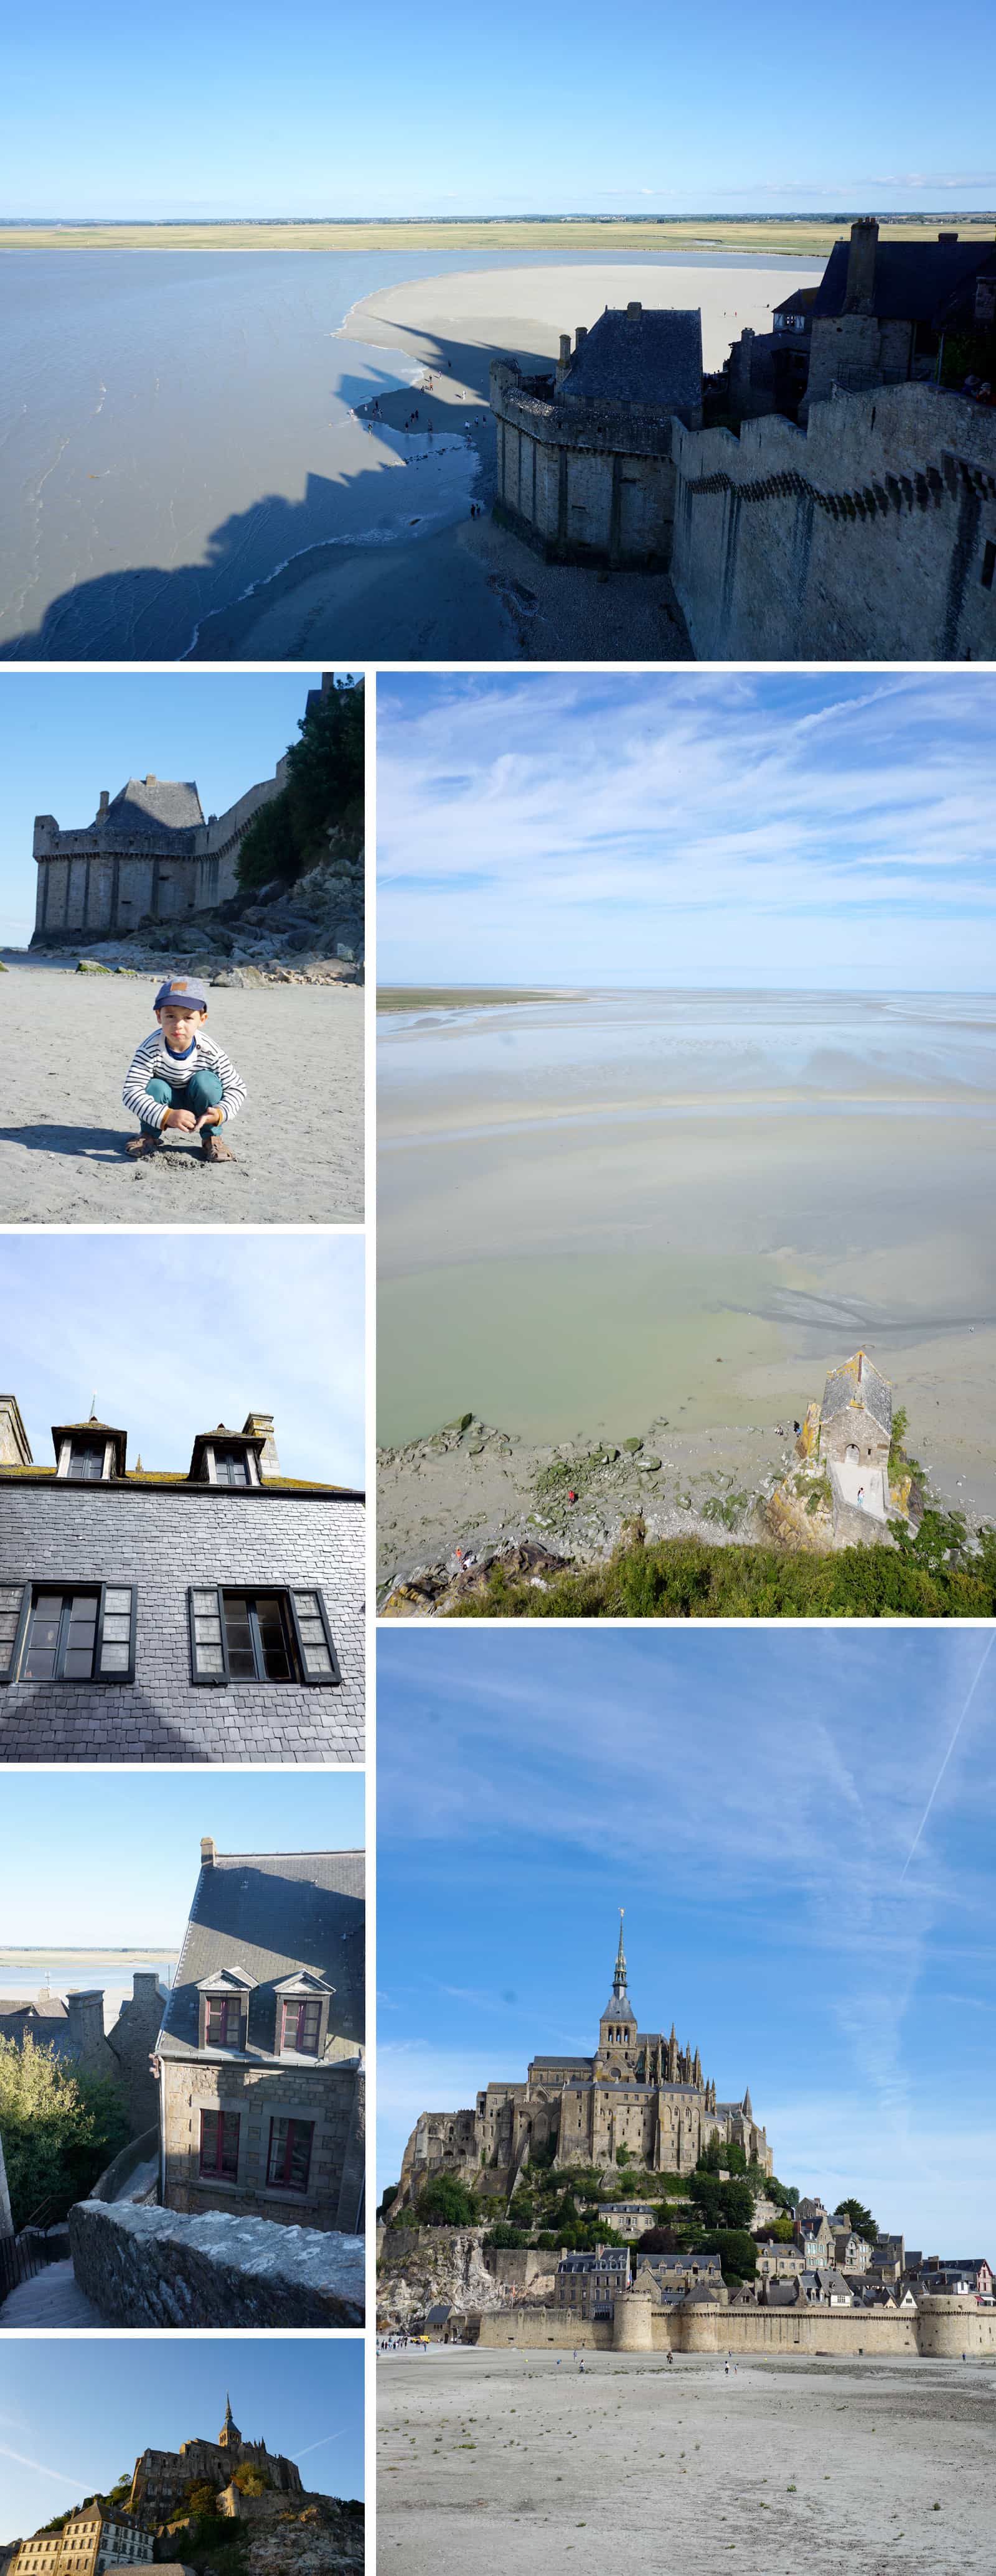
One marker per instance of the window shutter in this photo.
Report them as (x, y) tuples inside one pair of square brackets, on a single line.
[(319, 1661), (115, 1653), (14, 1603), (208, 1649)]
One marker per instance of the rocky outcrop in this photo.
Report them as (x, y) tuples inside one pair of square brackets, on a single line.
[(152, 2267), (309, 932), (419, 2268)]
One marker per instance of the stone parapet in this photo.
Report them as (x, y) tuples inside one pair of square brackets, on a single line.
[(151, 2267)]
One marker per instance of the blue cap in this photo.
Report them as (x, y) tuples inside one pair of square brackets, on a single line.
[(183, 992)]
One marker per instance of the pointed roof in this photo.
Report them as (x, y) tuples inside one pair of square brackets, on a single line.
[(158, 809), (859, 1382), (748, 2109), (619, 2005)]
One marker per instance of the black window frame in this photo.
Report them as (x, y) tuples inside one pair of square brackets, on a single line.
[(286, 1594), (65, 1585)]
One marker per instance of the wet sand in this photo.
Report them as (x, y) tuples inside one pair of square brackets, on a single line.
[(66, 1041), (471, 592), (502, 2460)]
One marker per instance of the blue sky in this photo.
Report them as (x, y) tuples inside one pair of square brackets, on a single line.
[(174, 1337), (449, 110), (113, 1861), (688, 828), (75, 2415), (65, 737), (795, 1823)]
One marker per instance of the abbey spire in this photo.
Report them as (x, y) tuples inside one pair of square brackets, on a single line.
[(619, 1980)]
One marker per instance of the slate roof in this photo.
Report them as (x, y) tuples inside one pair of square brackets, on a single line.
[(158, 809), (801, 302), (859, 1382), (640, 355), (913, 280), (266, 1914)]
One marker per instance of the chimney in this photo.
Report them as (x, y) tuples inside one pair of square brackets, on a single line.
[(105, 798), (150, 780), (15, 1447), (260, 1426), (208, 1852), (580, 336), (860, 295), (85, 2011), (564, 359), (947, 237), (633, 312), (145, 1985)]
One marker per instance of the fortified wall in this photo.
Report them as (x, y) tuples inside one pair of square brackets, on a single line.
[(590, 485), (148, 855), (939, 2330), (869, 535)]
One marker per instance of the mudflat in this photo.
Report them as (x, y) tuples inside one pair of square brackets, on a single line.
[(505, 2460), (66, 1041)]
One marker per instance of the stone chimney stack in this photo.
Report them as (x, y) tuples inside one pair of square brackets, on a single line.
[(85, 2010), (150, 780), (633, 312), (260, 1427), (208, 1852), (580, 336), (949, 238), (15, 1447), (860, 297), (105, 798), (564, 359)]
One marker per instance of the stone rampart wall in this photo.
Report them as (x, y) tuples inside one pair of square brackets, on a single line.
[(86, 886), (864, 536), (150, 2267), (942, 2329), (593, 485), (531, 2329)]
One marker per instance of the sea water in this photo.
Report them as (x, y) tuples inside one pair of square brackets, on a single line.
[(175, 426)]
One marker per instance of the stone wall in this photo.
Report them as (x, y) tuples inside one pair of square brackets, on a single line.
[(151, 2267), (54, 1531), (592, 485), (941, 2329), (325, 2095), (863, 536), (86, 884)]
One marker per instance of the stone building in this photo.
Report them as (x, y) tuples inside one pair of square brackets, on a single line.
[(259, 2060), (856, 1435), (110, 1649), (584, 469), (588, 2284), (882, 308), (639, 2090), (161, 2478), (73, 2032), (149, 856), (92, 2542)]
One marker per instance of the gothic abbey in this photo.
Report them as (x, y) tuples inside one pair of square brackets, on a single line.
[(162, 2477), (640, 2091)]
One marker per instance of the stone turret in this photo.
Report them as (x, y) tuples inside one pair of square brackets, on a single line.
[(632, 2322)]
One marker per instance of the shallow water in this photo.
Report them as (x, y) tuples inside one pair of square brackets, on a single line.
[(684, 1205), (175, 426)]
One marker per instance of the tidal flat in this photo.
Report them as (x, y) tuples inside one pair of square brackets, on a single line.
[(817, 2464), (673, 1212)]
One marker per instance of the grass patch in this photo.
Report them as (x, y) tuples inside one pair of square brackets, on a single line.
[(688, 1579)]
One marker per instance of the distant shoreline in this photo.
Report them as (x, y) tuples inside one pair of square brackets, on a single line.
[(802, 235)]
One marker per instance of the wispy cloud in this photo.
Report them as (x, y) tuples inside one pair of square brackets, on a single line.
[(62, 2477)]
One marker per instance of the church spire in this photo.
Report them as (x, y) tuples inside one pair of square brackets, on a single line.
[(229, 2437), (619, 1980)]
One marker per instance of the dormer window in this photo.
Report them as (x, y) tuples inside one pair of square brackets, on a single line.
[(223, 2021), (86, 1462)]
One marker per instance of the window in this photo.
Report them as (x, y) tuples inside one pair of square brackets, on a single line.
[(220, 2144), (274, 1636), (86, 1462), (66, 1633), (289, 2161), (231, 1467), (300, 2027), (222, 2021), (988, 563)]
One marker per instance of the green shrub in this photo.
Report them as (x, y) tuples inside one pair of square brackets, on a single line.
[(940, 1575), (324, 789), (59, 2128), (447, 2203)]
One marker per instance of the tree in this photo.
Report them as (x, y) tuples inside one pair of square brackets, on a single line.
[(623, 2156), (251, 2480), (324, 790), (722, 2204), (859, 2218), (199, 2498), (658, 2240), (520, 2209), (389, 2198), (59, 2128), (736, 2250), (445, 2202)]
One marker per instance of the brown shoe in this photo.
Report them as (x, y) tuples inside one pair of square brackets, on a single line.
[(213, 1149), (149, 1142)]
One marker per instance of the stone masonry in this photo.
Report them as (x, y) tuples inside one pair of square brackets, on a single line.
[(148, 855), (152, 2267), (163, 1535)]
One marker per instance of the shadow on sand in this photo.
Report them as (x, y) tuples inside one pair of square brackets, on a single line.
[(148, 613), (91, 1144)]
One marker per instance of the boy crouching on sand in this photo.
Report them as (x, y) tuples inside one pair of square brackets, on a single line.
[(180, 1078)]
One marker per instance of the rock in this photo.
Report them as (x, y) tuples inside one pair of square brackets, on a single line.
[(347, 954), (462, 1423), (632, 1446), (91, 966), (610, 1456), (228, 975), (649, 1466)]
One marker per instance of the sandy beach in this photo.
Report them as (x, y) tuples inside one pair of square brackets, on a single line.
[(66, 1041), (470, 591), (579, 1253), (817, 2464)]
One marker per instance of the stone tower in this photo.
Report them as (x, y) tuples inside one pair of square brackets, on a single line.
[(229, 2437)]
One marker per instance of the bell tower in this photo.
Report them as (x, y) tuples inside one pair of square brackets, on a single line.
[(229, 2438), (617, 2027)]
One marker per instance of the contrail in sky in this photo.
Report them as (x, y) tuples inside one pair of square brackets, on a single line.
[(319, 2446), (947, 1758), (39, 2466)]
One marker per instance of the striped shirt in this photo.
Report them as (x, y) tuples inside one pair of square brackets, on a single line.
[(152, 1060)]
